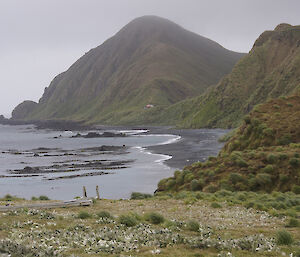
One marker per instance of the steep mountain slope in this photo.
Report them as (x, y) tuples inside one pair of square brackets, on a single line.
[(23, 109), (263, 155), (270, 70), (150, 61)]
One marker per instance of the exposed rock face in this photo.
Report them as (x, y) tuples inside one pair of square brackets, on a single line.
[(23, 109), (151, 61)]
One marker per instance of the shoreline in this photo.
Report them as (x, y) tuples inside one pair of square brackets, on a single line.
[(192, 146)]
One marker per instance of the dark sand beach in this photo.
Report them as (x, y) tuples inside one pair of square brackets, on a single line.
[(194, 144)]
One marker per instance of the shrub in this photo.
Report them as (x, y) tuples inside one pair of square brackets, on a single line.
[(297, 253), (83, 215), (271, 158), (104, 214), (226, 185), (268, 132), (215, 205), (263, 179), (283, 237), (211, 173), (240, 186), (34, 198), (296, 189), (211, 189), (179, 179), (268, 169), (8, 197), (249, 205), (177, 173), (162, 184), (137, 196), (197, 165), (155, 218), (199, 195), (285, 140), (170, 184), (188, 177), (128, 220), (181, 195), (193, 225), (283, 156), (261, 207), (235, 155), (208, 164), (212, 158), (44, 198), (283, 178), (294, 162), (292, 223), (241, 197), (253, 183), (241, 162), (235, 177), (227, 136), (247, 119), (195, 185), (224, 193)]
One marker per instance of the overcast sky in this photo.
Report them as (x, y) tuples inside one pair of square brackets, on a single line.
[(41, 38)]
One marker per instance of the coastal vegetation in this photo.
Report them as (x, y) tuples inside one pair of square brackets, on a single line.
[(263, 155), (180, 224)]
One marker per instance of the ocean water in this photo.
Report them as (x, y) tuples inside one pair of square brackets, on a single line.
[(19, 143)]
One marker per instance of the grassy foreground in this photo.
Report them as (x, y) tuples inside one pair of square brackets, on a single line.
[(183, 224)]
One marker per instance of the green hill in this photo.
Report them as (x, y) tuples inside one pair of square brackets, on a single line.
[(150, 61), (270, 70), (262, 155)]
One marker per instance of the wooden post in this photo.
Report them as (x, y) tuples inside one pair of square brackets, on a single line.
[(97, 192), (84, 192)]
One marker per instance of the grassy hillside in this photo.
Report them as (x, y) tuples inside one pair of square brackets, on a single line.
[(270, 70), (23, 109), (150, 61), (262, 155)]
